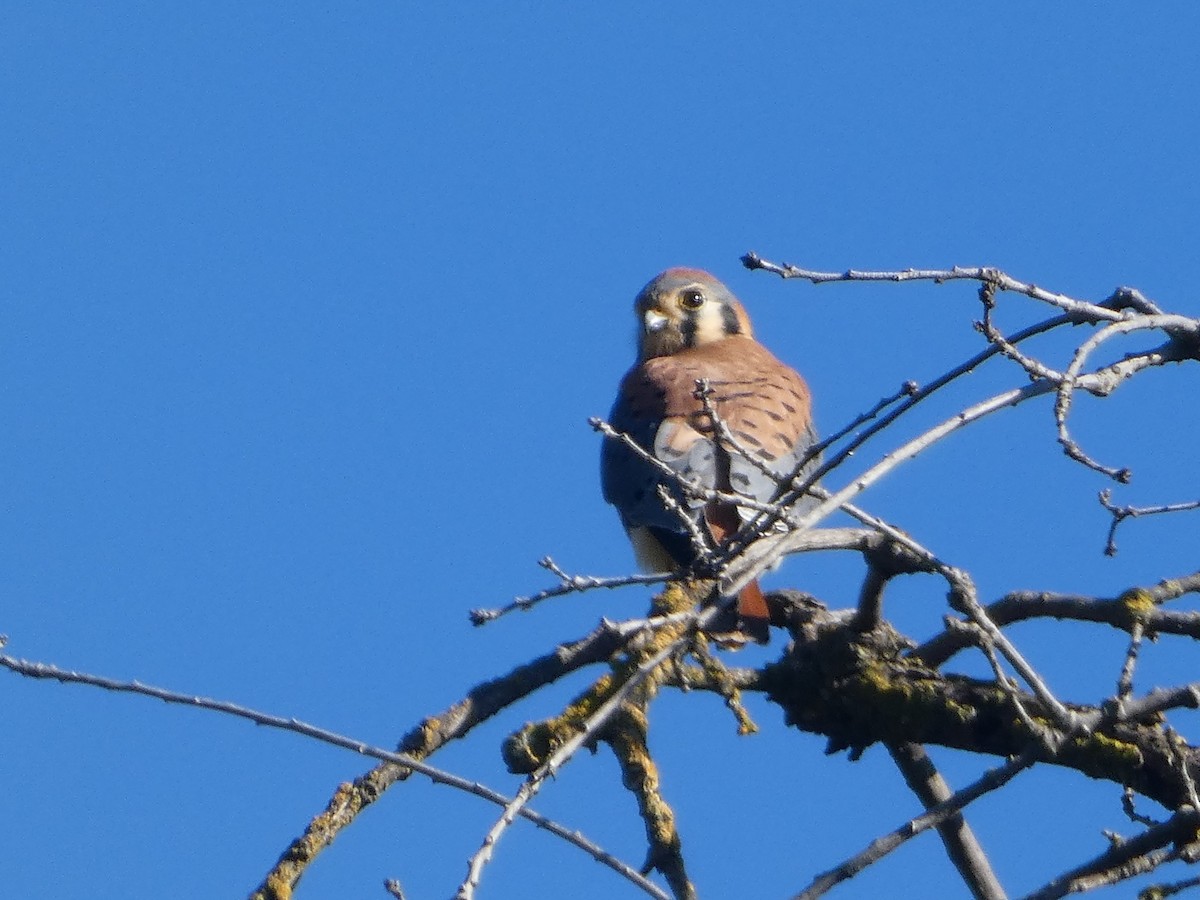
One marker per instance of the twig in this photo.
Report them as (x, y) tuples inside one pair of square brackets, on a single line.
[(482, 702), (1048, 740), (961, 844), (1021, 605), (436, 775), (569, 584), (1134, 856), (1125, 679), (1162, 891), (1158, 701), (1121, 513), (1080, 310), (725, 436), (1127, 805), (881, 846), (688, 487), (895, 458), (691, 524), (1178, 748), (1175, 326), (909, 389), (534, 782), (965, 601)]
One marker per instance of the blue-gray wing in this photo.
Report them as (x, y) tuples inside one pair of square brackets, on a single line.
[(763, 407)]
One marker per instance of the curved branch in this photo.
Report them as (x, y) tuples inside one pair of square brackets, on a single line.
[(436, 775), (1179, 328), (1131, 857), (481, 703), (859, 688), (1079, 310), (1116, 612)]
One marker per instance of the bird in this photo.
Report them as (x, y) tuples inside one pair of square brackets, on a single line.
[(694, 337)]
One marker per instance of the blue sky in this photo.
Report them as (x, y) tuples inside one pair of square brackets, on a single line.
[(302, 314)]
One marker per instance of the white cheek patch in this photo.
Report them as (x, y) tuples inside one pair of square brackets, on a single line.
[(710, 324)]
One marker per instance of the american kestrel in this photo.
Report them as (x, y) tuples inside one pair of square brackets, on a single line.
[(691, 327)]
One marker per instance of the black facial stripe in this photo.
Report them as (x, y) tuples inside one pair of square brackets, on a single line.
[(730, 320), (687, 330)]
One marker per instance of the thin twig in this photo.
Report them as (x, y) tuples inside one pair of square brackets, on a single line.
[(880, 847), (909, 389), (534, 782), (688, 487), (725, 436), (1174, 326), (1162, 891), (962, 846), (892, 460), (480, 703), (965, 600), (1127, 805), (437, 776), (1153, 704), (1021, 605), (1121, 860), (1080, 310), (1048, 740), (1125, 679), (1035, 368), (701, 545), (569, 584), (1121, 513)]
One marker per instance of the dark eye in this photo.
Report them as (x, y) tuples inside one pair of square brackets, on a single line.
[(691, 299)]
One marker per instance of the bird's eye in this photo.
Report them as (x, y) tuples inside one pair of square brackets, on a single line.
[(691, 299)]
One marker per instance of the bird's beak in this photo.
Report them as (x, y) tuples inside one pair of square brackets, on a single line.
[(654, 321)]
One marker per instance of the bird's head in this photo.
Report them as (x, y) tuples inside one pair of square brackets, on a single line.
[(683, 308)]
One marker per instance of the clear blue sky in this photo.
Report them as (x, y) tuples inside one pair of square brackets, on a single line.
[(303, 310)]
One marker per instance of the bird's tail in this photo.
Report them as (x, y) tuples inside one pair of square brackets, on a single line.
[(754, 618)]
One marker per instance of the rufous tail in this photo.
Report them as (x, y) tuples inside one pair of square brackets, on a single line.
[(754, 618)]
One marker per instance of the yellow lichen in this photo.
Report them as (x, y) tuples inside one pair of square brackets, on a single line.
[(1138, 603), (1121, 752)]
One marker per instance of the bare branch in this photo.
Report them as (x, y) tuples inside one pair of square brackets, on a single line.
[(627, 735), (1178, 327), (1119, 612), (1080, 310), (1036, 369), (568, 584), (961, 844), (688, 487), (941, 812), (1126, 859), (1162, 891), (1121, 513), (481, 703), (408, 762), (561, 755)]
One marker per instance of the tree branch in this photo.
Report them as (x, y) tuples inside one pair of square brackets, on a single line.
[(961, 844)]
